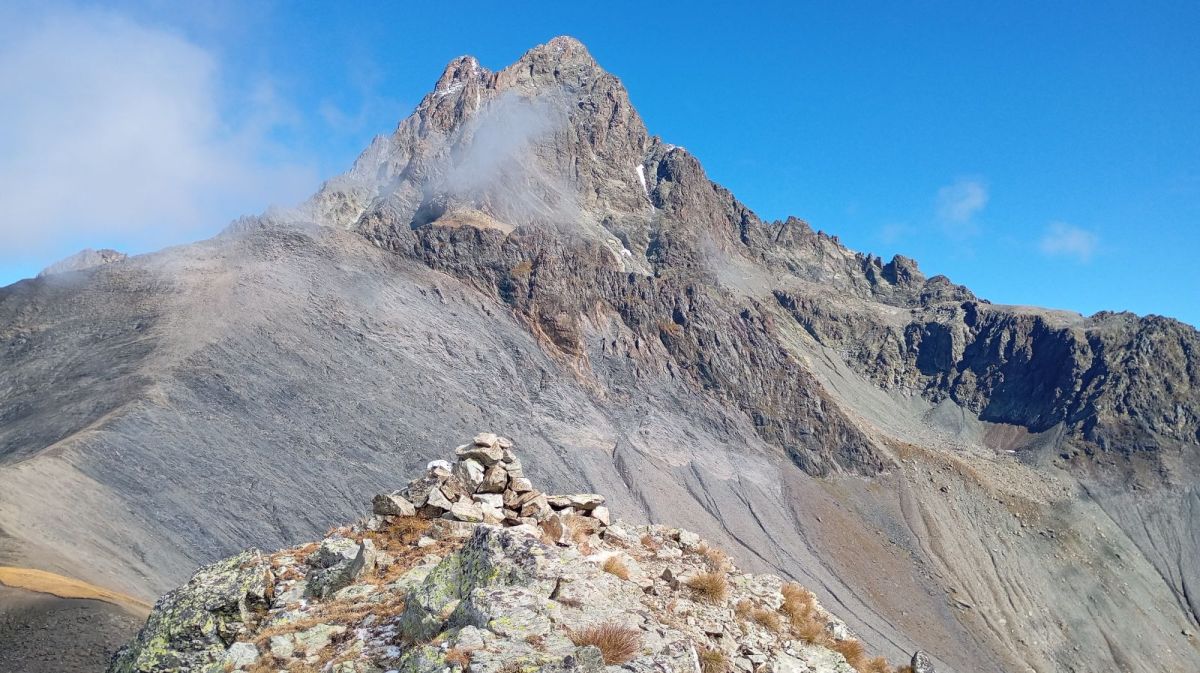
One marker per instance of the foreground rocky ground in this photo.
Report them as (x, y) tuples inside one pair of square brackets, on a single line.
[(470, 568)]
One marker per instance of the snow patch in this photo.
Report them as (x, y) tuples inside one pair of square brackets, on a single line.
[(641, 171)]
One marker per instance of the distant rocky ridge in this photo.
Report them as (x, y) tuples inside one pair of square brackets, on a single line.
[(471, 569), (84, 259)]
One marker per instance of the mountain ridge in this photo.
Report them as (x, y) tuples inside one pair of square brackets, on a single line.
[(889, 439)]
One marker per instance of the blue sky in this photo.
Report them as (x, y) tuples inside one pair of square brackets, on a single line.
[(1041, 153)]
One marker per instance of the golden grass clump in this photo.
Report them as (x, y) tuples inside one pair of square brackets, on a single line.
[(617, 644), (853, 650), (768, 619), (613, 565), (876, 665), (457, 656), (709, 586), (650, 543), (811, 631), (714, 557), (713, 660), (743, 609)]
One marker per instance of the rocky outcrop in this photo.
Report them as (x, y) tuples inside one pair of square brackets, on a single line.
[(84, 259), (562, 589), (194, 626)]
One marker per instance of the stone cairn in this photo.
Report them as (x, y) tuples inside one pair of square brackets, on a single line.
[(486, 484)]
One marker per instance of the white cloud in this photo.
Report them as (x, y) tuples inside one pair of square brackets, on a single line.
[(1066, 240), (113, 130), (958, 203)]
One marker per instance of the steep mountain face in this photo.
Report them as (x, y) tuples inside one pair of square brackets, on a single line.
[(1007, 488)]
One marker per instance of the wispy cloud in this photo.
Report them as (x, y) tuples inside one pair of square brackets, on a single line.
[(1067, 240), (959, 203), (115, 130)]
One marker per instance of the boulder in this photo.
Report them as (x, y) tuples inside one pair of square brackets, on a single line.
[(519, 484), (336, 563), (190, 626), (921, 663), (581, 501), (470, 471), (602, 515), (495, 478), (467, 510), (392, 504)]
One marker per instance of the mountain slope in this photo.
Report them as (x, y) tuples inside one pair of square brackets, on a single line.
[(1006, 488)]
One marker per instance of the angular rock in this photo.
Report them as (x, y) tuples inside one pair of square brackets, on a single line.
[(467, 510), (921, 663), (519, 484), (536, 507), (602, 515), (495, 478), (392, 504), (336, 563), (470, 471), (190, 626), (581, 501)]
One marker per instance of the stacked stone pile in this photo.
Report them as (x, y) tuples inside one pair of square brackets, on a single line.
[(487, 484)]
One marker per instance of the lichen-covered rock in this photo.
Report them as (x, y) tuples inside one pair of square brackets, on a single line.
[(337, 563), (491, 557), (191, 627)]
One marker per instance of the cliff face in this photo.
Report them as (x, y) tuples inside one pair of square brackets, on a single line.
[(521, 254)]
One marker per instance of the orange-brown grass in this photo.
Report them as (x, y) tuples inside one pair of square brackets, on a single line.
[(650, 543), (399, 539), (767, 619), (715, 558), (799, 606), (344, 612), (613, 565), (876, 665), (743, 609), (617, 644), (712, 660), (904, 669), (709, 586), (810, 630), (853, 651), (457, 656)]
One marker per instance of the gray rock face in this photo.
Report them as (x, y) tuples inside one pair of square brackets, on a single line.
[(584, 287)]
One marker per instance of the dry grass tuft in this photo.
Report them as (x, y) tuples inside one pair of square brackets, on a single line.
[(458, 656), (853, 651), (768, 619), (613, 565), (876, 665), (743, 609), (715, 558), (617, 644), (713, 660), (709, 586), (650, 543), (811, 631)]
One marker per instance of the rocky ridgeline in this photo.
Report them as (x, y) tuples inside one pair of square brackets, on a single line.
[(471, 569)]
